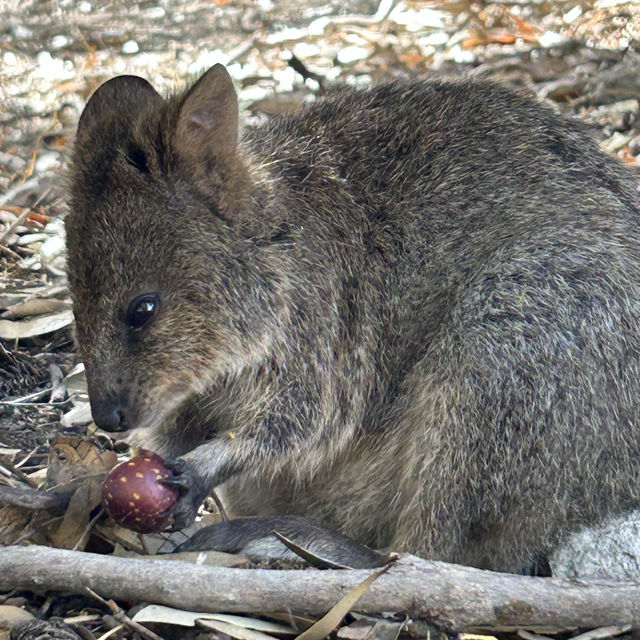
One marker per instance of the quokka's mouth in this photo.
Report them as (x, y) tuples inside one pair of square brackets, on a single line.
[(163, 407), (176, 404)]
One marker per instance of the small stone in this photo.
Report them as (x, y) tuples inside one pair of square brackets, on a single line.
[(573, 14), (15, 163), (20, 32), (207, 59), (306, 50), (352, 54), (47, 160), (58, 42), (130, 47), (52, 247), (550, 39), (154, 13)]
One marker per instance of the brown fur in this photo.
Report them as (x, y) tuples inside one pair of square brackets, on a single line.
[(409, 312)]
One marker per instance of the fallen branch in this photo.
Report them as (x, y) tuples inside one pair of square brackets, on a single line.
[(453, 597)]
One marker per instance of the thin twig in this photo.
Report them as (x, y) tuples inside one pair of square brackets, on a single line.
[(12, 253), (14, 225), (111, 632), (23, 216), (18, 472), (88, 528), (26, 400), (31, 453), (9, 194), (123, 618), (385, 7), (221, 508)]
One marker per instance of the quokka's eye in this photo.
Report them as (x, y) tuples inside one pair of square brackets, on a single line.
[(142, 309)]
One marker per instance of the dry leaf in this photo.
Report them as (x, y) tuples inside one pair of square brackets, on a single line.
[(11, 616), (58, 390), (160, 613), (76, 381), (13, 521), (526, 30), (473, 41), (79, 415), (73, 531), (334, 616), (361, 556), (358, 630), (372, 630), (12, 330), (313, 559), (127, 543), (32, 216), (414, 61), (501, 37), (33, 499), (298, 621), (22, 511), (73, 457), (35, 307), (75, 461), (625, 155), (240, 633)]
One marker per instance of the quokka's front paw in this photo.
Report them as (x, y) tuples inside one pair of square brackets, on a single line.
[(191, 493)]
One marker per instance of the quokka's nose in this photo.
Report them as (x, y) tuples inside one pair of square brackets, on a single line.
[(109, 415)]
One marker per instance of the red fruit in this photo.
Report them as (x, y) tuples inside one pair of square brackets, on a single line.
[(135, 497)]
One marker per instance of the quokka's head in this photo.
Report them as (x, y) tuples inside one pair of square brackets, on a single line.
[(169, 293)]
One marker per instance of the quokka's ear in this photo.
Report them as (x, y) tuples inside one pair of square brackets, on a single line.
[(113, 108), (207, 124)]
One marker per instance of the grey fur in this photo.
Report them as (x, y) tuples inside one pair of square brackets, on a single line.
[(408, 312)]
